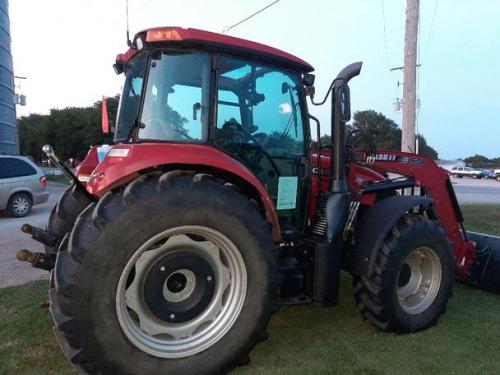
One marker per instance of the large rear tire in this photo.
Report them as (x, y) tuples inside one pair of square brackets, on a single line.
[(412, 280), (173, 275)]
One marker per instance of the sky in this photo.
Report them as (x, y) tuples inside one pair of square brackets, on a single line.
[(66, 49)]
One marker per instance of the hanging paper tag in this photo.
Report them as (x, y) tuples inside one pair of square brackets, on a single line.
[(287, 193)]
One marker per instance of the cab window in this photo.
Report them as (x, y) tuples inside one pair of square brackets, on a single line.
[(176, 98), (259, 122)]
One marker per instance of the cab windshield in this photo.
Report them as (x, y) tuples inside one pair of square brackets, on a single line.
[(130, 99), (176, 98)]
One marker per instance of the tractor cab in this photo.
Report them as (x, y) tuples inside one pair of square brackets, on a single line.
[(244, 99)]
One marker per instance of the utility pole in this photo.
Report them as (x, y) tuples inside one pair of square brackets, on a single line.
[(408, 141)]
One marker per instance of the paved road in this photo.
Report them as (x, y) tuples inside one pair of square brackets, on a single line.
[(12, 271), (470, 191)]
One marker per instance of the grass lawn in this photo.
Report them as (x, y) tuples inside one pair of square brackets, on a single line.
[(59, 178), (303, 339)]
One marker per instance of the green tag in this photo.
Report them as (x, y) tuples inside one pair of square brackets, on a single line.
[(287, 193)]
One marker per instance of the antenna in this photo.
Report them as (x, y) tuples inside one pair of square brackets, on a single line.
[(227, 28), (129, 42)]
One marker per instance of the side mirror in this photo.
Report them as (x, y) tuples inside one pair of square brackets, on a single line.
[(308, 79), (119, 66), (345, 103), (285, 87), (308, 82), (196, 108)]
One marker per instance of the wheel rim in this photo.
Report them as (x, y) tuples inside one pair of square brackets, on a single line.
[(419, 280), (20, 205), (181, 291)]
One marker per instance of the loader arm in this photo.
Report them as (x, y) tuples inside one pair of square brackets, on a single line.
[(434, 182)]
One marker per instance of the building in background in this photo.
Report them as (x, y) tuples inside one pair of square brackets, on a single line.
[(9, 141)]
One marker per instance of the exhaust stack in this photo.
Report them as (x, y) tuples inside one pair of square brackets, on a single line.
[(340, 106)]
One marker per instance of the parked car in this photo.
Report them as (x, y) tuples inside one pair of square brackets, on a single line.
[(488, 173), (460, 172), (496, 173), (22, 185)]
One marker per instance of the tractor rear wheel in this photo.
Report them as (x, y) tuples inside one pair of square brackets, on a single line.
[(174, 274), (412, 279), (64, 213)]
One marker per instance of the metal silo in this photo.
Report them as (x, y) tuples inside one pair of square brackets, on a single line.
[(8, 131)]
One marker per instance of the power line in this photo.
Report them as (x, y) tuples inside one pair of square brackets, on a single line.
[(385, 37), (432, 26), (227, 28)]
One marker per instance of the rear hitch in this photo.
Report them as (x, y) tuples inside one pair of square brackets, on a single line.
[(38, 260), (39, 235)]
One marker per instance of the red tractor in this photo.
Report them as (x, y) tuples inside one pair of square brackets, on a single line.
[(213, 209)]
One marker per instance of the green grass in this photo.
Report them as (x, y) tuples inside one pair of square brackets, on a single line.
[(60, 178), (27, 345), (484, 219), (304, 340)]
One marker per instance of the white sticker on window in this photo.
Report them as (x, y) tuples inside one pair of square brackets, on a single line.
[(285, 108), (287, 193)]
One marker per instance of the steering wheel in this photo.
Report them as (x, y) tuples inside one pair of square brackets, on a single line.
[(166, 129), (234, 124)]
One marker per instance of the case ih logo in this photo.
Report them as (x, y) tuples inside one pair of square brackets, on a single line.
[(398, 159), (385, 157)]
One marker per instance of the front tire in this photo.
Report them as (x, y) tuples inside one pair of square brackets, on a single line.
[(412, 279), (139, 289)]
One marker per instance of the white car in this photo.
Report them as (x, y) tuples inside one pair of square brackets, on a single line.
[(496, 173), (22, 185), (460, 172)]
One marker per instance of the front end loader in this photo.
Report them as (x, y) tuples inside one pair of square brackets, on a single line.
[(213, 208)]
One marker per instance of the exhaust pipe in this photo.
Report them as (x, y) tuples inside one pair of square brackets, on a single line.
[(328, 253), (485, 271)]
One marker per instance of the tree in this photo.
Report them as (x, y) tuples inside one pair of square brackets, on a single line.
[(425, 149), (375, 131), (480, 161), (71, 131), (476, 160)]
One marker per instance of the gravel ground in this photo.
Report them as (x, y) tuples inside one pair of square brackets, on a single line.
[(13, 272)]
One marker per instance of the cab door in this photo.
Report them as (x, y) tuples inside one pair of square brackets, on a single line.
[(260, 123)]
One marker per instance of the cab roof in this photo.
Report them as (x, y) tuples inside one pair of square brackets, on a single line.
[(219, 42)]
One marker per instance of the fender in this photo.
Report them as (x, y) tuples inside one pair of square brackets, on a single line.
[(374, 226), (125, 162)]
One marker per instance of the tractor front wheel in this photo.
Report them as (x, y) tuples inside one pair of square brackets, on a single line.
[(412, 279), (174, 274)]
